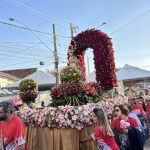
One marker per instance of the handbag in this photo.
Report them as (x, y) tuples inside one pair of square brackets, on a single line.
[(135, 138)]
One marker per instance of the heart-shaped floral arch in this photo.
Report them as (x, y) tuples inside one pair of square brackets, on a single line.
[(103, 56)]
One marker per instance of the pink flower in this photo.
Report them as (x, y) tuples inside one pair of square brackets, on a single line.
[(72, 125), (78, 127), (124, 124), (40, 120), (76, 112), (74, 117), (69, 122)]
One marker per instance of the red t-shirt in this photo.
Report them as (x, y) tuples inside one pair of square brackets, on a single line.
[(13, 132), (104, 141), (137, 109), (148, 109), (116, 124)]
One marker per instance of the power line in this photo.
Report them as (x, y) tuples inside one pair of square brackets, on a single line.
[(58, 20), (32, 11), (13, 45), (34, 30), (5, 23), (10, 55), (126, 24), (30, 54), (15, 64), (24, 62), (29, 66), (36, 58), (17, 42), (12, 19), (20, 52), (16, 53), (40, 66)]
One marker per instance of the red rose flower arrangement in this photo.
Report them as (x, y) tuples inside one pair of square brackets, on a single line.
[(103, 56)]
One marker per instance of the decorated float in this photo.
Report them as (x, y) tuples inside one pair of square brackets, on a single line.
[(68, 119)]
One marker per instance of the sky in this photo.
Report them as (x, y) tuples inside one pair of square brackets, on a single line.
[(128, 25)]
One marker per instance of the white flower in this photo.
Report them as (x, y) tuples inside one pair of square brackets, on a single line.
[(76, 112), (66, 116), (85, 113), (74, 117), (71, 113), (87, 119), (80, 108)]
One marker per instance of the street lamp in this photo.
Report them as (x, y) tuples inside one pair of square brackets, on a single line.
[(55, 53), (13, 19), (103, 23)]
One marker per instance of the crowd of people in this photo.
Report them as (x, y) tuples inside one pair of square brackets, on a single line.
[(129, 127)]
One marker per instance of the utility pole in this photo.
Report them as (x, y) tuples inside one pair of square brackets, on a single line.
[(71, 28), (88, 65), (56, 56)]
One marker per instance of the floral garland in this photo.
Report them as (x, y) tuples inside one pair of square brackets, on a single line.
[(67, 89), (63, 116), (72, 89), (103, 56), (72, 92), (28, 90)]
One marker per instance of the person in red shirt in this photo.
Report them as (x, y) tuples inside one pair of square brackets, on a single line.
[(137, 107), (103, 134), (121, 112), (122, 123), (12, 129), (139, 111)]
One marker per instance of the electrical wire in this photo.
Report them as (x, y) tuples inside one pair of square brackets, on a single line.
[(6, 52), (32, 11), (31, 7), (130, 21), (20, 63), (60, 55), (25, 62), (17, 42), (34, 30), (36, 58), (16, 64), (18, 51)]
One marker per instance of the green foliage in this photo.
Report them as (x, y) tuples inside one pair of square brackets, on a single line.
[(28, 84), (70, 73), (58, 102), (70, 91), (97, 98), (74, 91)]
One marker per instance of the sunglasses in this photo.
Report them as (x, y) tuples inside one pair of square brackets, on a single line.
[(147, 100), (116, 110)]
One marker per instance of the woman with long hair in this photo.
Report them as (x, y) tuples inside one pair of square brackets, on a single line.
[(103, 134)]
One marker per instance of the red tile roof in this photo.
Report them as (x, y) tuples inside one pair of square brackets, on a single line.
[(20, 73)]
